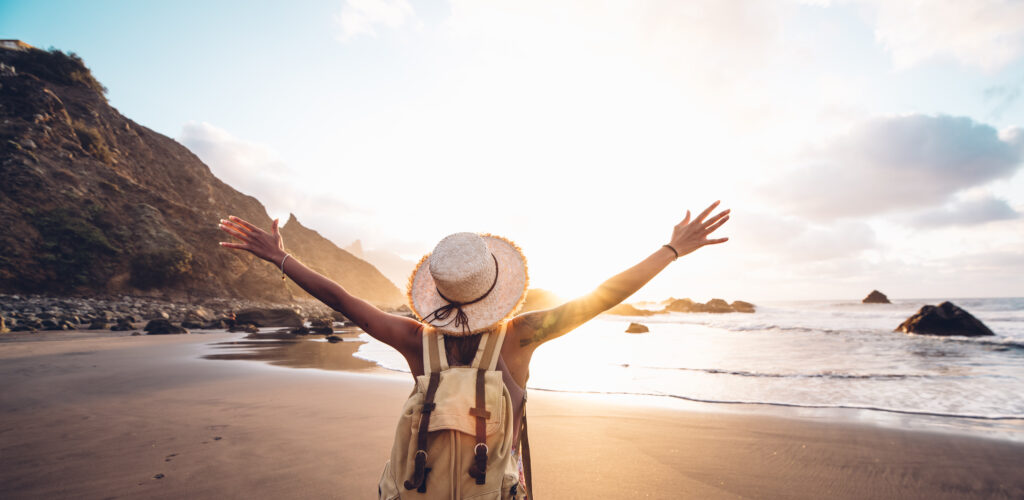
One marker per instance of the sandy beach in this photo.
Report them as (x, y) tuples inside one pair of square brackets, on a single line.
[(147, 417)]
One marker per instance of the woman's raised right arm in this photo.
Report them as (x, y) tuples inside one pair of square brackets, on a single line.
[(399, 332)]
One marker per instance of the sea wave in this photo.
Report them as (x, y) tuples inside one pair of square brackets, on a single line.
[(826, 374), (902, 411)]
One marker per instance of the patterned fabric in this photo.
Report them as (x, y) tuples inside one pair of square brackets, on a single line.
[(522, 475)]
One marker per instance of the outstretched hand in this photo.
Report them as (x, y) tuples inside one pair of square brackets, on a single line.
[(267, 246), (688, 235)]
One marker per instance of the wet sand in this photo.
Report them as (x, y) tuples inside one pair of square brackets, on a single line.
[(148, 417)]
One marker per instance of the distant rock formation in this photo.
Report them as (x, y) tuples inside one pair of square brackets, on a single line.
[(95, 204), (944, 319), (637, 328), (538, 299), (629, 310), (356, 248), (876, 297), (714, 306)]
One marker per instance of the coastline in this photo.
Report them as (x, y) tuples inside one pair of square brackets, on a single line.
[(105, 416)]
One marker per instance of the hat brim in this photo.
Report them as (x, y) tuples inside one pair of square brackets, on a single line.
[(503, 302)]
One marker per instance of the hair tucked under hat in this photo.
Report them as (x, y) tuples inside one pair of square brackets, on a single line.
[(470, 283)]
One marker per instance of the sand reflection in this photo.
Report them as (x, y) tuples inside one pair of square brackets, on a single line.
[(281, 348)]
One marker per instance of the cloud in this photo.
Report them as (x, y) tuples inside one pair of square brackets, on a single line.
[(895, 163), (361, 17), (987, 33), (968, 213), (792, 240), (1002, 97)]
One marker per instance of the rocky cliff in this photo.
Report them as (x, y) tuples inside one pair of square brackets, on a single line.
[(94, 203)]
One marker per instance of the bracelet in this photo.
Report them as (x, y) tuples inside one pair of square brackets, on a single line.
[(673, 250), (282, 265)]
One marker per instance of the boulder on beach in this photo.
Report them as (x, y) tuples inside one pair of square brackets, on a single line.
[(944, 319), (334, 339), (161, 326), (123, 325), (3, 325), (281, 316), (199, 314), (743, 307), (321, 326), (637, 328), (98, 324), (876, 297)]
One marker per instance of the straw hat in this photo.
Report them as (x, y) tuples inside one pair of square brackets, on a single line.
[(469, 283)]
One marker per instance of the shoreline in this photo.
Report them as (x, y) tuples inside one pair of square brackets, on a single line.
[(266, 352), (149, 417)]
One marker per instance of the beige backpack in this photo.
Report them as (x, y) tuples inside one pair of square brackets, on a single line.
[(454, 439)]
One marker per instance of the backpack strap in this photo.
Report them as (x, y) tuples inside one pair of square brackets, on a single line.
[(431, 363), (524, 453), (433, 345), (486, 360)]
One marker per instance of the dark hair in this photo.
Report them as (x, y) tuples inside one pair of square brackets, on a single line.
[(461, 350)]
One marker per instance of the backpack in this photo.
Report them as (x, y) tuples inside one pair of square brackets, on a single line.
[(454, 438)]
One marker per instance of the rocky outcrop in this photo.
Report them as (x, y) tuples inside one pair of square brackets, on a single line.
[(714, 306), (743, 307), (637, 328), (95, 204), (876, 297), (279, 317), (629, 310), (944, 319)]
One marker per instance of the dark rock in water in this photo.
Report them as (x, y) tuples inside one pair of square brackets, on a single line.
[(299, 330), (629, 310), (162, 326), (321, 326), (743, 307), (944, 319), (876, 297), (247, 328), (637, 328), (281, 316), (718, 306), (679, 305), (334, 339), (191, 324)]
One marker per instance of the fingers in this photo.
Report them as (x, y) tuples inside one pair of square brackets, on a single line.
[(234, 231), (716, 241), (240, 246), (700, 218), (246, 224), (718, 221), (716, 217), (274, 230), (685, 221)]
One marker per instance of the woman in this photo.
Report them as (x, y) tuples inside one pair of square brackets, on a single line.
[(485, 280)]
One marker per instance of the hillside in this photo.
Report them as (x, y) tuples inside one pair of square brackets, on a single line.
[(96, 204)]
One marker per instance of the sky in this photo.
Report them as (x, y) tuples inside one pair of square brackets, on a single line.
[(861, 144)]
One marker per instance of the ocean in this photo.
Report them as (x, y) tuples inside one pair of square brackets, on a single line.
[(826, 358)]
